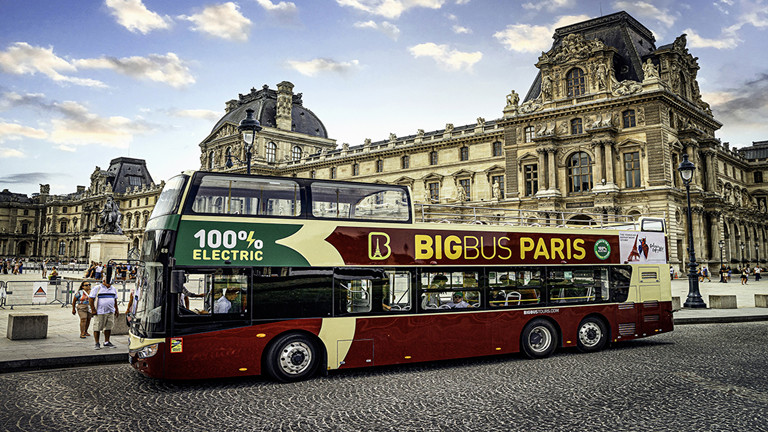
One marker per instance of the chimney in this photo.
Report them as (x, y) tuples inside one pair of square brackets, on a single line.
[(284, 105)]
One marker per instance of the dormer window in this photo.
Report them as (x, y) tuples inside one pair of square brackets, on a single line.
[(574, 82)]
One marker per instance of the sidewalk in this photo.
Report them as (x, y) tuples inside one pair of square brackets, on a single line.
[(64, 348)]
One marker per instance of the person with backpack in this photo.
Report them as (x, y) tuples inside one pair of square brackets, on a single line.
[(81, 305)]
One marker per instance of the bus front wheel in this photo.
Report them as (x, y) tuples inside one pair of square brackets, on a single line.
[(539, 339), (291, 357), (593, 335)]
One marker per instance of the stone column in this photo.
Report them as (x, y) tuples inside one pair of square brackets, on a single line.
[(542, 169), (551, 152), (609, 162), (597, 174)]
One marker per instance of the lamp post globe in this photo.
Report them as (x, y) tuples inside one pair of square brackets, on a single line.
[(694, 300), (249, 127)]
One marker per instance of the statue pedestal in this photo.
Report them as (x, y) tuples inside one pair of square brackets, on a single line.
[(105, 247)]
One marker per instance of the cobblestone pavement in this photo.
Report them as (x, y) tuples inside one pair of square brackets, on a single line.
[(699, 377)]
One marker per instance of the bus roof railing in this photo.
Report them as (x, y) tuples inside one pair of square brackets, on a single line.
[(486, 215)]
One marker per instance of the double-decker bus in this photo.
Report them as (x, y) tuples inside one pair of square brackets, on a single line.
[(288, 277)]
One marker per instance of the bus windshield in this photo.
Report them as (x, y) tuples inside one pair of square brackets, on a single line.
[(149, 312), (169, 197)]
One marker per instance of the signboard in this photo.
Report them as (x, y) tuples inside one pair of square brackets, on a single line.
[(643, 247), (39, 292)]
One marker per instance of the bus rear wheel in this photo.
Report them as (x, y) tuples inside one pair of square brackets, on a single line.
[(290, 358), (592, 336), (539, 339)]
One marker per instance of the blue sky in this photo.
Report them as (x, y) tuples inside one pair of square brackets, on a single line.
[(86, 81)]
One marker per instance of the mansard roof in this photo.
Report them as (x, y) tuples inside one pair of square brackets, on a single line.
[(126, 172), (264, 104), (758, 150), (633, 42)]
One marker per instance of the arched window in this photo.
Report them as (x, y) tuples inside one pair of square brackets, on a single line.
[(271, 152), (211, 162), (296, 153), (63, 227), (574, 82), (579, 172), (405, 162), (62, 248), (576, 126), (528, 134), (628, 118), (227, 156)]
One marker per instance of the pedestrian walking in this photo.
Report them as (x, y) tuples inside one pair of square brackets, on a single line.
[(103, 302), (43, 269), (723, 275), (705, 273), (81, 305), (757, 270), (744, 275), (730, 272)]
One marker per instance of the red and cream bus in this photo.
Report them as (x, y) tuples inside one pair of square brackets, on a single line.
[(245, 275)]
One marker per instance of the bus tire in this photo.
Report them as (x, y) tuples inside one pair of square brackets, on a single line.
[(291, 357), (539, 339), (592, 335)]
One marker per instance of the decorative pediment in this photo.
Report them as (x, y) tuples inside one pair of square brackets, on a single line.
[(573, 47), (463, 174), (404, 181)]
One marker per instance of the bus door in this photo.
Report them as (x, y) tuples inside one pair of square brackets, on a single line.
[(650, 293), (354, 291), (211, 308), (626, 295)]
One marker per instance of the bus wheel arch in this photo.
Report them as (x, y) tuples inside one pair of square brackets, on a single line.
[(592, 334), (293, 356), (540, 338)]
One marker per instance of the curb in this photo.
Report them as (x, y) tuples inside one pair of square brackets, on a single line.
[(720, 320), (61, 362)]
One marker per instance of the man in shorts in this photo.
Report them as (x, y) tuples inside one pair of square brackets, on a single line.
[(103, 301)]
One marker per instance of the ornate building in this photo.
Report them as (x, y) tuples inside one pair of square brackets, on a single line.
[(57, 226), (599, 133)]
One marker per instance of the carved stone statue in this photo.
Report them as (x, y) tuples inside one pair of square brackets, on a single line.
[(601, 76), (110, 217), (649, 70), (513, 99), (546, 88), (461, 194), (496, 190)]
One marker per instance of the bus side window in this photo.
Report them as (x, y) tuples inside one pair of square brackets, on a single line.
[(397, 292)]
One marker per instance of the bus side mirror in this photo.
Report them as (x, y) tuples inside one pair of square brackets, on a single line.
[(177, 281)]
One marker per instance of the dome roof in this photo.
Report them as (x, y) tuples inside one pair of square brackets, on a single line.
[(264, 104)]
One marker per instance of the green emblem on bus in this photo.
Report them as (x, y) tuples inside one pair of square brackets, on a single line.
[(602, 249)]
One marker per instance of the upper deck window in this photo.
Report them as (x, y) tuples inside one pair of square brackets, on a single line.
[(351, 201), (250, 196), (169, 197)]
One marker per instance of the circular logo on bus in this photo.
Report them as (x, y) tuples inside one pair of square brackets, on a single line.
[(602, 249)]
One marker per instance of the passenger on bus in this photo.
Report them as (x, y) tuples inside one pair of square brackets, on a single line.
[(458, 301), (224, 303)]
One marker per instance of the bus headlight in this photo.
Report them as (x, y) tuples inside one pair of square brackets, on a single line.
[(147, 351)]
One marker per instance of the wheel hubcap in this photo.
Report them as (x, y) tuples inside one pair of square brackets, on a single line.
[(295, 358), (540, 339), (590, 334)]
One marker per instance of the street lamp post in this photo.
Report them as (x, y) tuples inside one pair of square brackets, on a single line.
[(249, 127), (694, 300), (721, 243), (757, 255)]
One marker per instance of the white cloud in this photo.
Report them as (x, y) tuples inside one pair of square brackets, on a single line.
[(445, 56), (461, 30), (315, 66), (223, 21), (10, 153), (646, 10), (166, 69), (74, 125), (386, 27), (528, 38), (133, 15), (22, 58), (391, 9), (285, 12), (13, 131), (66, 148), (197, 113), (550, 5), (722, 42)]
